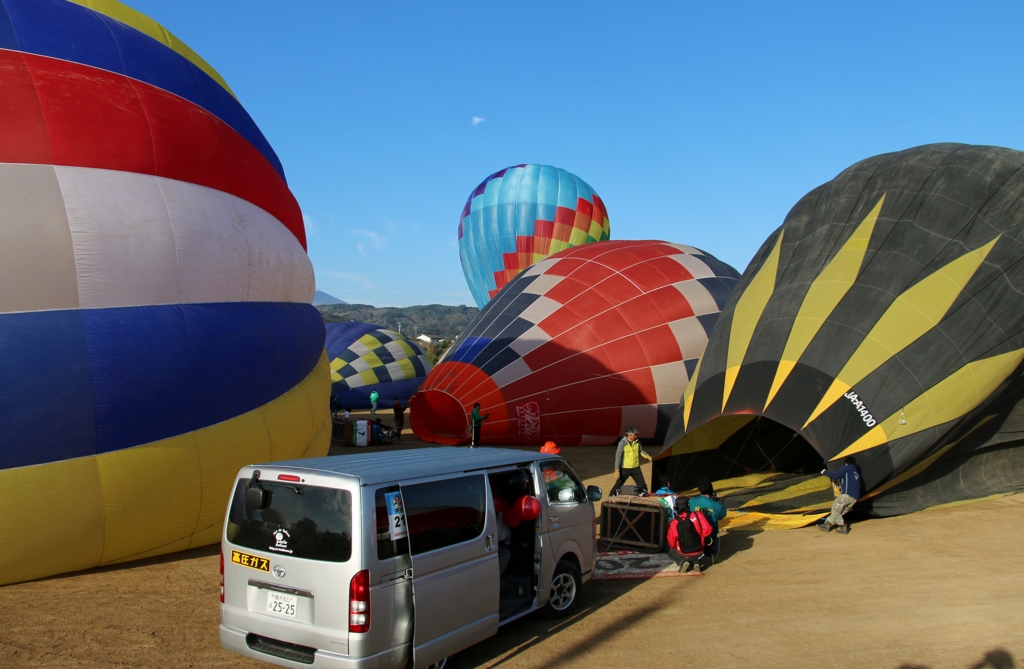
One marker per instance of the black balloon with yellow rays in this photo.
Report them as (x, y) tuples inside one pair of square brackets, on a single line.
[(884, 320)]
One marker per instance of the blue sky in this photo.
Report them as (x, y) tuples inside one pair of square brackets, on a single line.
[(697, 123)]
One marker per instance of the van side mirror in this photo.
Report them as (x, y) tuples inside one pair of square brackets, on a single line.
[(594, 493), (257, 498)]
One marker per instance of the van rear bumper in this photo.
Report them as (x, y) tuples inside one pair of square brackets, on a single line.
[(235, 640)]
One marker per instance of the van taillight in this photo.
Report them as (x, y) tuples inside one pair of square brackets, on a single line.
[(222, 575), (288, 477), (359, 603)]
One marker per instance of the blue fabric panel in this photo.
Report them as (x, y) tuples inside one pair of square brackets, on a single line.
[(46, 400), (250, 355), (78, 383), (359, 398), (144, 376), (339, 336), (469, 348), (7, 38), (64, 30)]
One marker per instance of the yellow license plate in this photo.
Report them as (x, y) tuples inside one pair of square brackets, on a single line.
[(254, 561)]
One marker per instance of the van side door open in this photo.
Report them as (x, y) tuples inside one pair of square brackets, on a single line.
[(453, 544)]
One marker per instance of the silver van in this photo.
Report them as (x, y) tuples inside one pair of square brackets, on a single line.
[(399, 558)]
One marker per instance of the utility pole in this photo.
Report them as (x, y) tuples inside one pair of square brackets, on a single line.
[(399, 327)]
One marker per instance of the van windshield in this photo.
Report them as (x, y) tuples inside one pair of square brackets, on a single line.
[(303, 521)]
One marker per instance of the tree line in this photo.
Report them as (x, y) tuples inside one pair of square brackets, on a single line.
[(438, 320)]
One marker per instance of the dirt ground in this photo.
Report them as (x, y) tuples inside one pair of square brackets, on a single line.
[(936, 589)]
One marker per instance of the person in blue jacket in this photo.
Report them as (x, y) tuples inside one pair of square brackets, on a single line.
[(708, 504), (848, 479)]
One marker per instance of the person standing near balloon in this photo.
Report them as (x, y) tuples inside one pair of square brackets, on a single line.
[(478, 421), (848, 479), (627, 461), (399, 417), (374, 396)]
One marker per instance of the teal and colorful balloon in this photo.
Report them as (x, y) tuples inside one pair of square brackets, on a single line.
[(521, 215)]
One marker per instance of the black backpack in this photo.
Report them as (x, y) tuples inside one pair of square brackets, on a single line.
[(689, 539)]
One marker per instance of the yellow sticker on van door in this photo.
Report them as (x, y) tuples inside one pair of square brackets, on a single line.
[(254, 561)]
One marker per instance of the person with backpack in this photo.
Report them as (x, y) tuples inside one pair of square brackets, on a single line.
[(707, 503), (848, 479), (687, 536)]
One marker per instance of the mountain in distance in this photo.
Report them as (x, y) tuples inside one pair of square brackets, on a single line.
[(320, 298), (434, 319)]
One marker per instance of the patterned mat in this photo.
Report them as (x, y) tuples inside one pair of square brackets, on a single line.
[(618, 565)]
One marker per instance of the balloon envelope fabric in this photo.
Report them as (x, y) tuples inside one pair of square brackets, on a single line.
[(521, 215), (364, 357), (578, 347), (884, 321), (154, 293)]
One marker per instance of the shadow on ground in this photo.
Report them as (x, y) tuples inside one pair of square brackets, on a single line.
[(994, 659)]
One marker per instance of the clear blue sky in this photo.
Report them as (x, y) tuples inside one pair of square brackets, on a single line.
[(697, 123)]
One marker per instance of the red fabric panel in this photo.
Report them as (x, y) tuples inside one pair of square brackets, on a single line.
[(585, 207), (565, 216), (22, 127), (95, 118)]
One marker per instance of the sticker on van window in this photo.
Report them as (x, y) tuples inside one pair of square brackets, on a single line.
[(396, 515), (246, 560)]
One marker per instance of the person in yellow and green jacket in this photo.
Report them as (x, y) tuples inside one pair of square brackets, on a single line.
[(627, 461)]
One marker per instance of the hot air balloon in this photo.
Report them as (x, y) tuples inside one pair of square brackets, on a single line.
[(579, 346), (364, 357), (154, 293), (520, 215), (884, 321)]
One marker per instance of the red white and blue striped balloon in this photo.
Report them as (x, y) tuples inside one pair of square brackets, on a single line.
[(155, 324)]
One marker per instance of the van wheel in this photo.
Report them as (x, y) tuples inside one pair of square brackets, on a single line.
[(565, 586), (440, 664)]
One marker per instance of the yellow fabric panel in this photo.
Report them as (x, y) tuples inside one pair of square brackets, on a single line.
[(577, 237), (369, 378), (807, 487), (746, 481), (782, 373), (691, 386), (337, 364), (825, 292), (297, 417), (408, 371), (961, 502), (595, 230), (370, 342), (406, 348), (51, 519), (372, 360), (912, 314), (708, 436), (747, 313), (924, 464), (223, 449), (148, 26), (606, 229), (947, 400), (739, 520), (151, 498)]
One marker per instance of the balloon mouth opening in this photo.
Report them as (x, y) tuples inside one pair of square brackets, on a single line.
[(439, 418), (761, 446)]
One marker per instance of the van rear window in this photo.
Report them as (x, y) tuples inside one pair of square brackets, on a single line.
[(301, 520)]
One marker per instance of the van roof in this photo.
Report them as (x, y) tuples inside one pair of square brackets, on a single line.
[(384, 466)]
